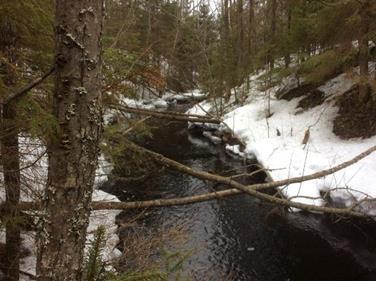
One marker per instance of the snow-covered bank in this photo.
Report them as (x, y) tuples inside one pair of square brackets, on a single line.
[(194, 95), (154, 102), (274, 130), (157, 103), (163, 102), (33, 180), (97, 218)]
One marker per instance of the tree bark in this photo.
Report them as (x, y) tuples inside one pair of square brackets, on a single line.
[(273, 26), (73, 153), (364, 71), (11, 170), (10, 156), (240, 44), (289, 18), (227, 48), (252, 29), (363, 53)]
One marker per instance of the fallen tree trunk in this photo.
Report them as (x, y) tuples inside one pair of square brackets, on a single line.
[(237, 188), (166, 115)]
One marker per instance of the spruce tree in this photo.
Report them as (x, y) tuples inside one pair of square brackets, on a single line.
[(73, 153)]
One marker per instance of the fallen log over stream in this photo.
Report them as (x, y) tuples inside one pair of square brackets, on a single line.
[(170, 115), (254, 190)]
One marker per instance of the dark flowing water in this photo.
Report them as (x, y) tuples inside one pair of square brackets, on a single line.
[(240, 238)]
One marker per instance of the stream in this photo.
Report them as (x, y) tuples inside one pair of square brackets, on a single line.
[(241, 238)]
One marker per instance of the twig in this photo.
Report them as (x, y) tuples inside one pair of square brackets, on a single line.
[(252, 190), (131, 128), (24, 90), (31, 276)]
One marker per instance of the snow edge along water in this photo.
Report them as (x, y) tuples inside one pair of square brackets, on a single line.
[(276, 143)]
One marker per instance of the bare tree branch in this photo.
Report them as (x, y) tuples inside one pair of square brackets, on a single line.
[(252, 190), (207, 176), (24, 90)]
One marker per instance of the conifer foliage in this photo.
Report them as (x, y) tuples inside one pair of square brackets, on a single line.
[(147, 48)]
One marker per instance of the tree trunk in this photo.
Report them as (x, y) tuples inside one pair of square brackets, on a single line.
[(289, 17), (273, 26), (10, 157), (73, 153), (240, 44), (363, 55), (227, 49), (364, 71), (150, 21), (11, 170), (252, 30)]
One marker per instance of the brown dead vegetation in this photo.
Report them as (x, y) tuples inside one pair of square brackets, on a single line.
[(312, 99), (354, 119), (142, 247), (296, 92)]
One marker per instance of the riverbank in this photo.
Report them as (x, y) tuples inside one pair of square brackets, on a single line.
[(292, 136), (33, 182), (236, 238)]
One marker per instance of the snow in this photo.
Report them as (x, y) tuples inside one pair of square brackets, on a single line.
[(283, 153), (32, 150), (152, 102), (97, 218), (145, 104), (201, 108), (105, 218), (214, 139), (188, 96)]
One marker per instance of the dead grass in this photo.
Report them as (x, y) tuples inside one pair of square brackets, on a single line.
[(144, 248)]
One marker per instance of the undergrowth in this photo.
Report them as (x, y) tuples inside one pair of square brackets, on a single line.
[(96, 269)]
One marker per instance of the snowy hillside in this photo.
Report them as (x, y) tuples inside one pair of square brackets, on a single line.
[(290, 141)]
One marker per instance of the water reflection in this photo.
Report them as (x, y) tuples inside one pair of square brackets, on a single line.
[(235, 239)]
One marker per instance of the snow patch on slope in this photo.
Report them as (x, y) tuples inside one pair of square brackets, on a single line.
[(276, 142)]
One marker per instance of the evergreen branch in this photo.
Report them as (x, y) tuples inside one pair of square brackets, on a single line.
[(24, 90)]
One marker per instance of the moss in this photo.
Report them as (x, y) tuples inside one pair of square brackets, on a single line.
[(322, 67)]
